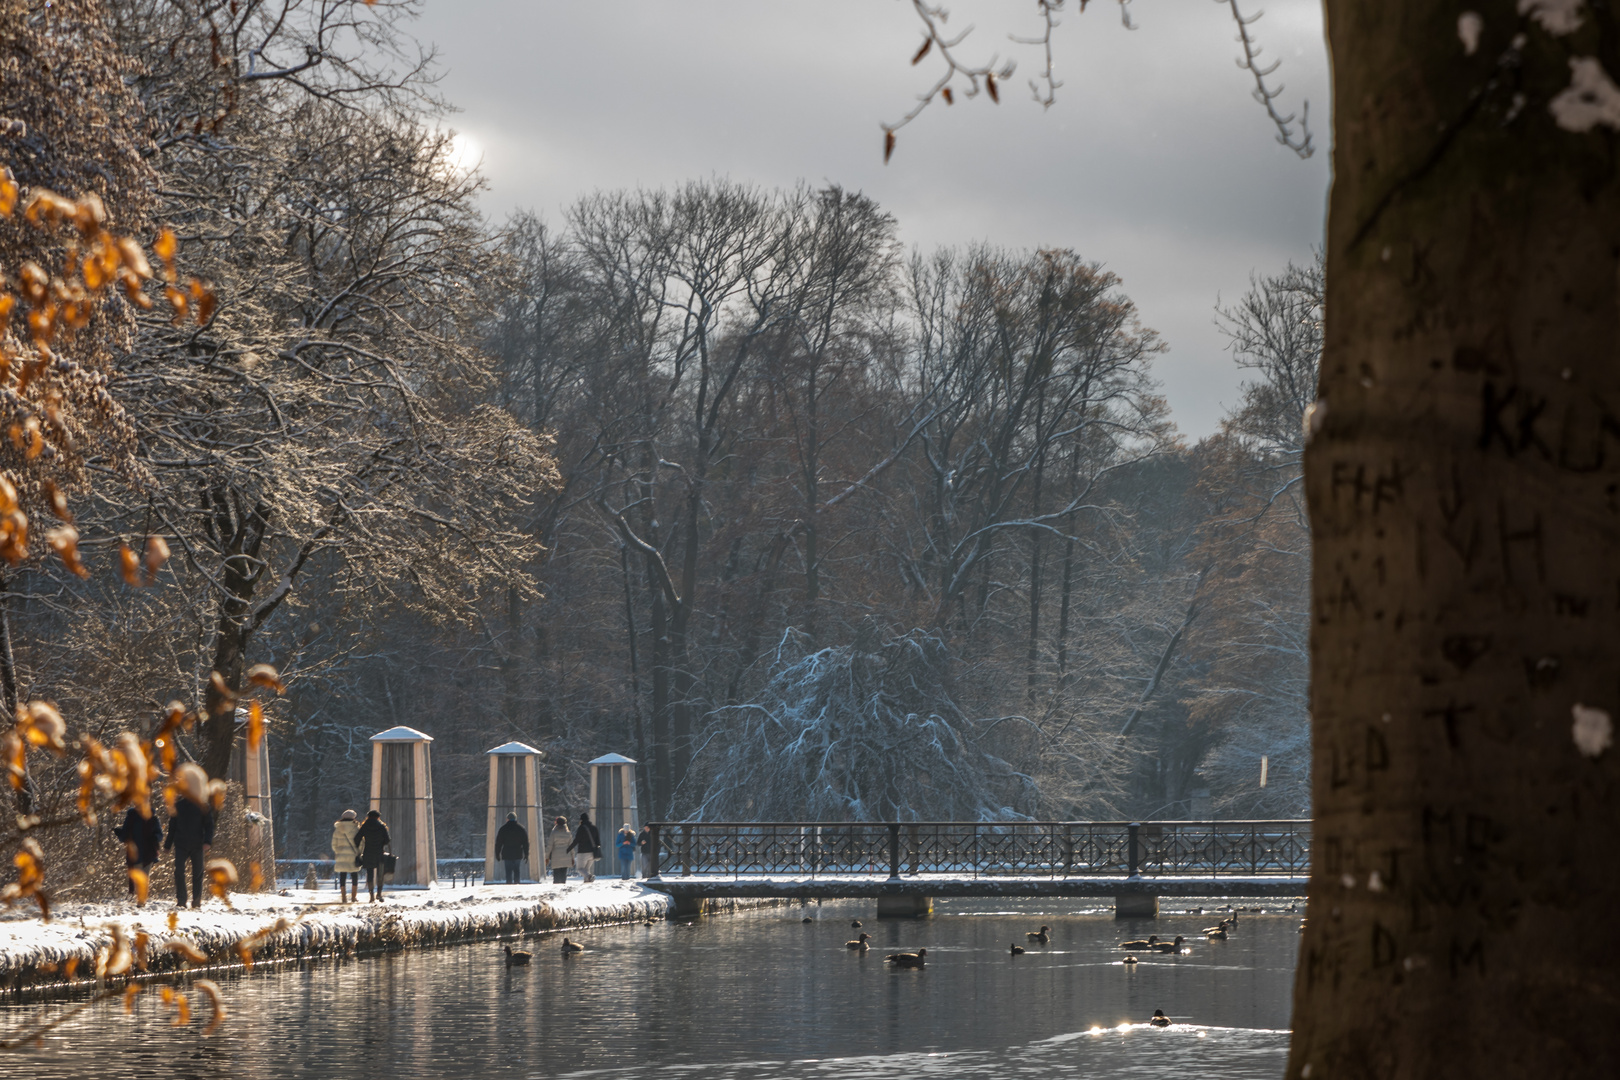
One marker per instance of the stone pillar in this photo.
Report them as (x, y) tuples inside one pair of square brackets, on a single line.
[(613, 804), (514, 788), (1136, 905), (402, 791), (904, 906), (251, 769)]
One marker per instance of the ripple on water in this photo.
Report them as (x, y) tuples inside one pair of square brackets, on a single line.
[(1119, 1053)]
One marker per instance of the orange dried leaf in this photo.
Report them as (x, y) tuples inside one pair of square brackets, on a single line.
[(64, 540), (174, 921), (41, 725), (186, 951), (266, 676), (191, 782), (129, 566), (142, 883), (928, 43), (129, 996), (211, 989), (990, 85), (222, 688), (182, 1011), (8, 196), (70, 967), (58, 501), (202, 301), (888, 146), (157, 553), (255, 726)]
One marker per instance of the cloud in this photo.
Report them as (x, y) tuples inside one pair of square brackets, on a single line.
[(1154, 161)]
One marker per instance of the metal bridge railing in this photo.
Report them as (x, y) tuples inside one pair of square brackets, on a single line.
[(1051, 849)]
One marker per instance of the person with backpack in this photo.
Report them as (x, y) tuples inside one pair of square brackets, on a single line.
[(625, 842), (191, 833), (372, 837), (142, 837), (587, 847), (512, 847)]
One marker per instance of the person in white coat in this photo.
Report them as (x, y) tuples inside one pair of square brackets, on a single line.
[(346, 857), (557, 848)]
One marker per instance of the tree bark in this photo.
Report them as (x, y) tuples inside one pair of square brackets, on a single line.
[(1462, 480)]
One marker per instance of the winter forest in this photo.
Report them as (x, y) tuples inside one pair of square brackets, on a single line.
[(813, 524)]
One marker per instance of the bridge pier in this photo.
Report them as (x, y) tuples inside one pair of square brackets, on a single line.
[(904, 906), (1136, 905)]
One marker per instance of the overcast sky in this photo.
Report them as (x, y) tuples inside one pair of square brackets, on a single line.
[(1155, 161)]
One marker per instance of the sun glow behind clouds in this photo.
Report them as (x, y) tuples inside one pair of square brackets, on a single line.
[(466, 153)]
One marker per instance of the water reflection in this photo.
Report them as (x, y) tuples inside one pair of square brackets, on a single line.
[(755, 995)]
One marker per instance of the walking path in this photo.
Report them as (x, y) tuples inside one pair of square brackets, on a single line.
[(35, 954)]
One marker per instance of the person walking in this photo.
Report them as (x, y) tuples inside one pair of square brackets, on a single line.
[(512, 847), (142, 837), (191, 834), (557, 848), (644, 850), (346, 857), (373, 840), (587, 847), (626, 845)]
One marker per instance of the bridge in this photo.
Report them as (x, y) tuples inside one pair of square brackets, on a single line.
[(905, 864)]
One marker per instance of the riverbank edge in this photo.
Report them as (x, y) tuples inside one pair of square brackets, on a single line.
[(328, 931)]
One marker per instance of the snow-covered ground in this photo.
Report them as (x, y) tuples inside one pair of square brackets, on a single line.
[(35, 953)]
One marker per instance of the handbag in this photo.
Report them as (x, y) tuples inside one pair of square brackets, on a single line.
[(388, 863)]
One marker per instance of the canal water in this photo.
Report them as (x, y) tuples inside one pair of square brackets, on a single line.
[(759, 994)]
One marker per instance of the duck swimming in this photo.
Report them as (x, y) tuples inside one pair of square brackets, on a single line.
[(1216, 933), (1152, 940), (569, 947), (859, 943), (1040, 935), (1016, 950), (1128, 961), (1159, 1019), (908, 959), (1170, 946), (517, 959)]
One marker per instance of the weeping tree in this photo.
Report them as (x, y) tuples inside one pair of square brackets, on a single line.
[(869, 731)]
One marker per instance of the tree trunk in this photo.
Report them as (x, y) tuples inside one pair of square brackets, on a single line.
[(1462, 479)]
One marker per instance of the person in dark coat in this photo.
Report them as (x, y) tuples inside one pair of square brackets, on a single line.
[(587, 847), (373, 841), (142, 837), (512, 847), (191, 833)]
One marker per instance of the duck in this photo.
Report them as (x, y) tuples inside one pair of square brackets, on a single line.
[(1170, 946), (1128, 961), (1216, 933), (569, 947), (855, 924), (859, 943), (1016, 950), (517, 959), (1152, 940), (1219, 928), (1159, 1019), (807, 919), (908, 959), (1040, 935), (649, 922)]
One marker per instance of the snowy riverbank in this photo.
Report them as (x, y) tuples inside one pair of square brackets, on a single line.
[(303, 924)]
